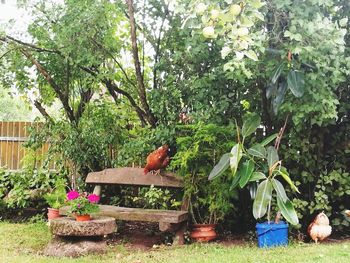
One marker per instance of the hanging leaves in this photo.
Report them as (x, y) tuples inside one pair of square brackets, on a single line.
[(272, 156), (277, 73), (250, 125), (257, 150), (236, 155), (281, 193), (283, 172), (287, 210), (262, 199), (278, 100), (269, 139), (245, 172), (257, 176), (220, 167), (296, 83)]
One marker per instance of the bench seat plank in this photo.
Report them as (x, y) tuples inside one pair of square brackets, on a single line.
[(134, 176), (139, 214)]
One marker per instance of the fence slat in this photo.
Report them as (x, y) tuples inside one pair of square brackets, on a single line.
[(12, 151)]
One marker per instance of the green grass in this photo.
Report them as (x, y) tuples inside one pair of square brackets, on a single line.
[(24, 242)]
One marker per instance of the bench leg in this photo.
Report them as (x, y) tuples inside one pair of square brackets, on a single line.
[(179, 238)]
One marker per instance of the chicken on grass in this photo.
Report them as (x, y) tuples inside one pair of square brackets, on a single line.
[(320, 229), (157, 160)]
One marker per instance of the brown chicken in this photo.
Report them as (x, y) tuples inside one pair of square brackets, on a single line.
[(319, 229), (157, 160)]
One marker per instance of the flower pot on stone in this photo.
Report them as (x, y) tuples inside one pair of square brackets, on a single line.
[(55, 199), (82, 205), (52, 213), (203, 232), (83, 217)]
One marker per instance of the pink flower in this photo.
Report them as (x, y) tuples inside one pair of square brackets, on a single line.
[(93, 198), (72, 195), (79, 205)]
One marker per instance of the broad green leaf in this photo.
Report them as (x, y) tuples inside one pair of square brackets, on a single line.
[(235, 157), (257, 150), (277, 73), (250, 125), (288, 211), (220, 167), (269, 139), (235, 181), (262, 199), (281, 193), (245, 172), (256, 176), (296, 82), (251, 54), (283, 172), (272, 156)]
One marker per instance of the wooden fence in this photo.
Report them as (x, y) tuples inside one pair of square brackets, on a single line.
[(12, 137)]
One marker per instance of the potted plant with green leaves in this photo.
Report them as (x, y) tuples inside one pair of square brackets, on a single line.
[(56, 199), (260, 163), (198, 147), (82, 205)]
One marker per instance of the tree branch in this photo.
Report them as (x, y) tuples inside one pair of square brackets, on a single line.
[(42, 110), (56, 88), (112, 88)]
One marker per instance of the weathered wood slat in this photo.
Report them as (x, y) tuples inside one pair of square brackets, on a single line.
[(134, 176), (139, 214)]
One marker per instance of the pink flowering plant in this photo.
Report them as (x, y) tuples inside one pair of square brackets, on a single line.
[(82, 203)]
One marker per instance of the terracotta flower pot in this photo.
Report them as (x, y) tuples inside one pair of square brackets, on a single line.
[(203, 232), (82, 217), (52, 213)]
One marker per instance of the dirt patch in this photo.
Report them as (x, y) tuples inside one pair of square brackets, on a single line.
[(137, 235)]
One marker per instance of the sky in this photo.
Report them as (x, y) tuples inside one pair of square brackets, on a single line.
[(19, 17), (10, 11)]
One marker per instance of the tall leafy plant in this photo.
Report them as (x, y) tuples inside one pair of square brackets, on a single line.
[(258, 163)]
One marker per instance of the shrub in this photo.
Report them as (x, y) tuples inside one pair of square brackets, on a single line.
[(26, 188)]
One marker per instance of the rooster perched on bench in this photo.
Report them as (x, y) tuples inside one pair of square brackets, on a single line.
[(157, 160)]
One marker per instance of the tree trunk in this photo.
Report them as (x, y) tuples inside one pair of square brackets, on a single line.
[(140, 81)]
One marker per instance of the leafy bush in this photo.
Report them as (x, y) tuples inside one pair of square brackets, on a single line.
[(199, 146), (22, 189), (87, 146), (156, 198)]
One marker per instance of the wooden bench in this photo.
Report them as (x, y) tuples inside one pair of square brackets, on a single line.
[(169, 220)]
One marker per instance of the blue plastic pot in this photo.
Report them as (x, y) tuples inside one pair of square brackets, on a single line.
[(271, 234)]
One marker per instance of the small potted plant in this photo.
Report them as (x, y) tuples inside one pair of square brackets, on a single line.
[(260, 164), (82, 205), (55, 199)]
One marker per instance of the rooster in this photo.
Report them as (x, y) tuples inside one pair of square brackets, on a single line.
[(319, 229), (157, 160)]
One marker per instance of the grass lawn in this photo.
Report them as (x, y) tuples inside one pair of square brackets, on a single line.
[(24, 243)]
